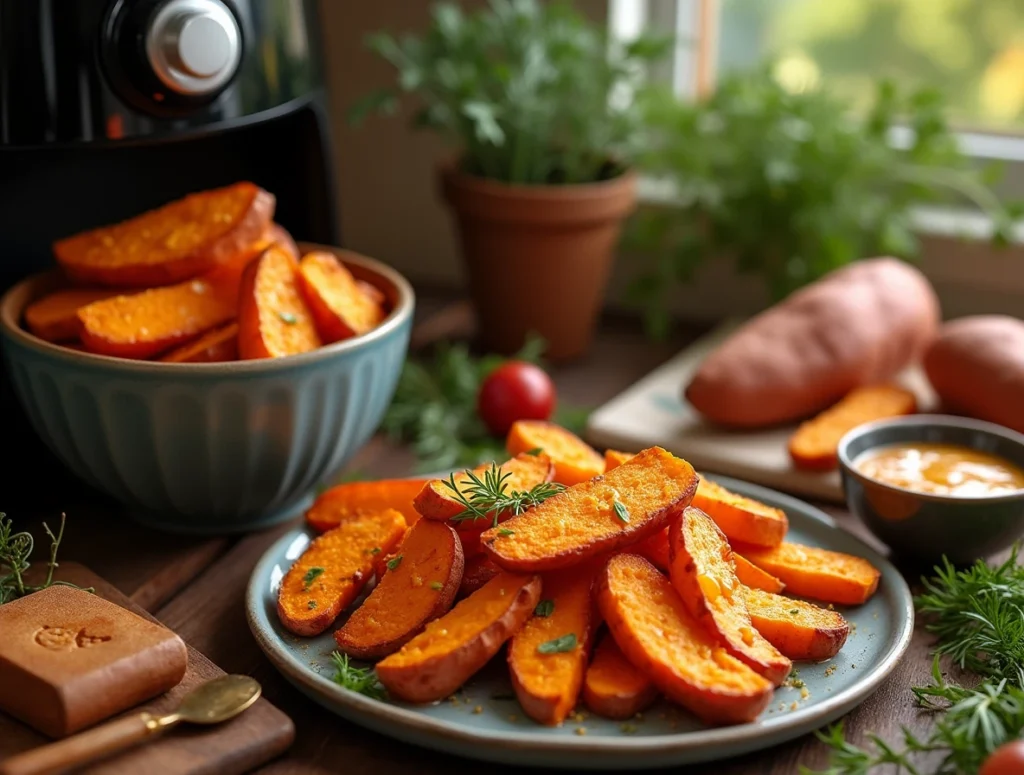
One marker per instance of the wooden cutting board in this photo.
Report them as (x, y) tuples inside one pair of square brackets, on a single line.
[(253, 738), (654, 412)]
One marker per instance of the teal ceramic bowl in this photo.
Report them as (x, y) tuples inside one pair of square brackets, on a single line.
[(209, 448), (924, 527)]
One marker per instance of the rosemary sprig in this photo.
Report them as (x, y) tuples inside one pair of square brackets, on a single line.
[(489, 496), (362, 680), (15, 551)]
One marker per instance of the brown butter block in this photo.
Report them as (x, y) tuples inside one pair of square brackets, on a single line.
[(69, 659)]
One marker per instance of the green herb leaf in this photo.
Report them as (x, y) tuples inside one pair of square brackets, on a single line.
[(505, 532), (15, 551), (311, 575), (394, 562), (375, 550), (558, 645), (288, 317), (544, 608), (794, 611), (535, 451), (621, 511), (489, 497), (362, 680), (311, 605), (436, 585)]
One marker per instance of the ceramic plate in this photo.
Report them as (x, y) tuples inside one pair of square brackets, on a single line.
[(484, 721)]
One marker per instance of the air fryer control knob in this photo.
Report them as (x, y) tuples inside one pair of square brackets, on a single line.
[(193, 46)]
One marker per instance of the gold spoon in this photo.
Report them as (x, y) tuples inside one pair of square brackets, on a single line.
[(209, 703)]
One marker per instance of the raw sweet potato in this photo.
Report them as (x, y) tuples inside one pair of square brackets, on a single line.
[(751, 576), (55, 317), (176, 242), (335, 505), (815, 443), (220, 344), (613, 459), (451, 649), (859, 325), (479, 570), (340, 307), (808, 571), (575, 461), (799, 630), (612, 687), (522, 473), (740, 518), (273, 319), (977, 368), (658, 635), (547, 658), (419, 585), (701, 571), (334, 569), (636, 500)]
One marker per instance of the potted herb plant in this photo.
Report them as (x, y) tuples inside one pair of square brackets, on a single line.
[(540, 105)]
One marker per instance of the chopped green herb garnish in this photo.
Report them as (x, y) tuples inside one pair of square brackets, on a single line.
[(544, 608), (621, 511), (558, 645), (375, 550), (311, 575), (794, 611), (394, 562), (535, 451), (288, 317), (505, 532), (436, 585), (311, 605), (362, 680)]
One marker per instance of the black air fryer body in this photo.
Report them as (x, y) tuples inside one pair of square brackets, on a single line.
[(112, 107)]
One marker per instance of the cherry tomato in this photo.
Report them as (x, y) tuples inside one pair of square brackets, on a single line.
[(1007, 759), (516, 390)]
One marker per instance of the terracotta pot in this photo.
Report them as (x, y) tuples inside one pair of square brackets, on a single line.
[(538, 257)]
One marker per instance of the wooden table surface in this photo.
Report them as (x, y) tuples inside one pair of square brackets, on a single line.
[(197, 587)]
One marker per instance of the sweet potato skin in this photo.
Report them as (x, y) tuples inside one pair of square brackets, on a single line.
[(582, 521), (655, 549), (340, 307), (820, 574), (575, 461), (799, 630), (858, 325), (421, 588), (176, 242), (215, 346), (740, 518), (55, 316), (423, 671), (976, 366), (336, 504), (273, 319), (479, 570), (612, 687), (750, 575), (654, 630)]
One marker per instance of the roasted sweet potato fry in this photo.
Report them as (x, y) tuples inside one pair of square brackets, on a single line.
[(277, 234), (335, 505), (220, 344), (176, 242), (522, 473), (479, 570), (575, 461), (632, 502), (547, 658), (273, 319), (334, 569), (654, 549), (701, 570), (613, 459), (658, 635), (612, 687), (55, 317), (340, 307), (373, 292), (419, 585), (815, 443), (740, 518), (799, 630), (751, 576), (451, 649), (832, 577)]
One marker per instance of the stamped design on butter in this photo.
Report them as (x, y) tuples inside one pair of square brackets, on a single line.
[(66, 638)]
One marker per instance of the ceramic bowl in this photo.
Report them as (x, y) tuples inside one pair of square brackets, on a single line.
[(209, 447), (921, 526)]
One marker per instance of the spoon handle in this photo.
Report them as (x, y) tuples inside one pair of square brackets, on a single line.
[(85, 747)]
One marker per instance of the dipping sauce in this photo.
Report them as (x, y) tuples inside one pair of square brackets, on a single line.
[(941, 469)]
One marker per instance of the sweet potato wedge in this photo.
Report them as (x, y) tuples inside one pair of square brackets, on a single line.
[(451, 649), (798, 629), (820, 574), (220, 344), (280, 236), (658, 635), (575, 461), (273, 319), (613, 458), (701, 570), (521, 473), (741, 518), (55, 317), (373, 292), (654, 549), (334, 569), (420, 584), (750, 575), (815, 443), (176, 242), (333, 506), (340, 307), (479, 570), (547, 658), (634, 501), (612, 687)]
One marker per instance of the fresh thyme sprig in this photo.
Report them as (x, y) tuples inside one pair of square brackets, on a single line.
[(362, 680), (489, 496), (15, 551)]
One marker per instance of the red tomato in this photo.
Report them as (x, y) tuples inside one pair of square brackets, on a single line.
[(516, 390), (1007, 759)]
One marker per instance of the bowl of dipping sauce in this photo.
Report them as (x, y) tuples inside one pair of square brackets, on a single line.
[(931, 485)]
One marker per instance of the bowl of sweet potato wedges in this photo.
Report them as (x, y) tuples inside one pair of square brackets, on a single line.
[(202, 368)]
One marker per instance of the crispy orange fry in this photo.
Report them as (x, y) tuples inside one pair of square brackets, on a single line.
[(55, 317), (575, 461), (613, 458), (808, 571), (273, 319), (612, 687), (740, 518), (340, 307), (799, 630), (752, 576), (335, 505), (221, 344), (479, 570)]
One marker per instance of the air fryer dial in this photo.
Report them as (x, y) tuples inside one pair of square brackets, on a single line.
[(193, 46)]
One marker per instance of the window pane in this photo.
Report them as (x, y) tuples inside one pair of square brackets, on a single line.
[(973, 50)]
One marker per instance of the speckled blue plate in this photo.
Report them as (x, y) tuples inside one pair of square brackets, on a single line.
[(484, 721)]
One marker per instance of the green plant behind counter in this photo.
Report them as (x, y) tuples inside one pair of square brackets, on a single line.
[(790, 185)]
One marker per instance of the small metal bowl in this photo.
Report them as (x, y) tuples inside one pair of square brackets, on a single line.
[(923, 526)]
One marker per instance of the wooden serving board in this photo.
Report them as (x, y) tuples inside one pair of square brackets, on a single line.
[(253, 738), (654, 412)]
